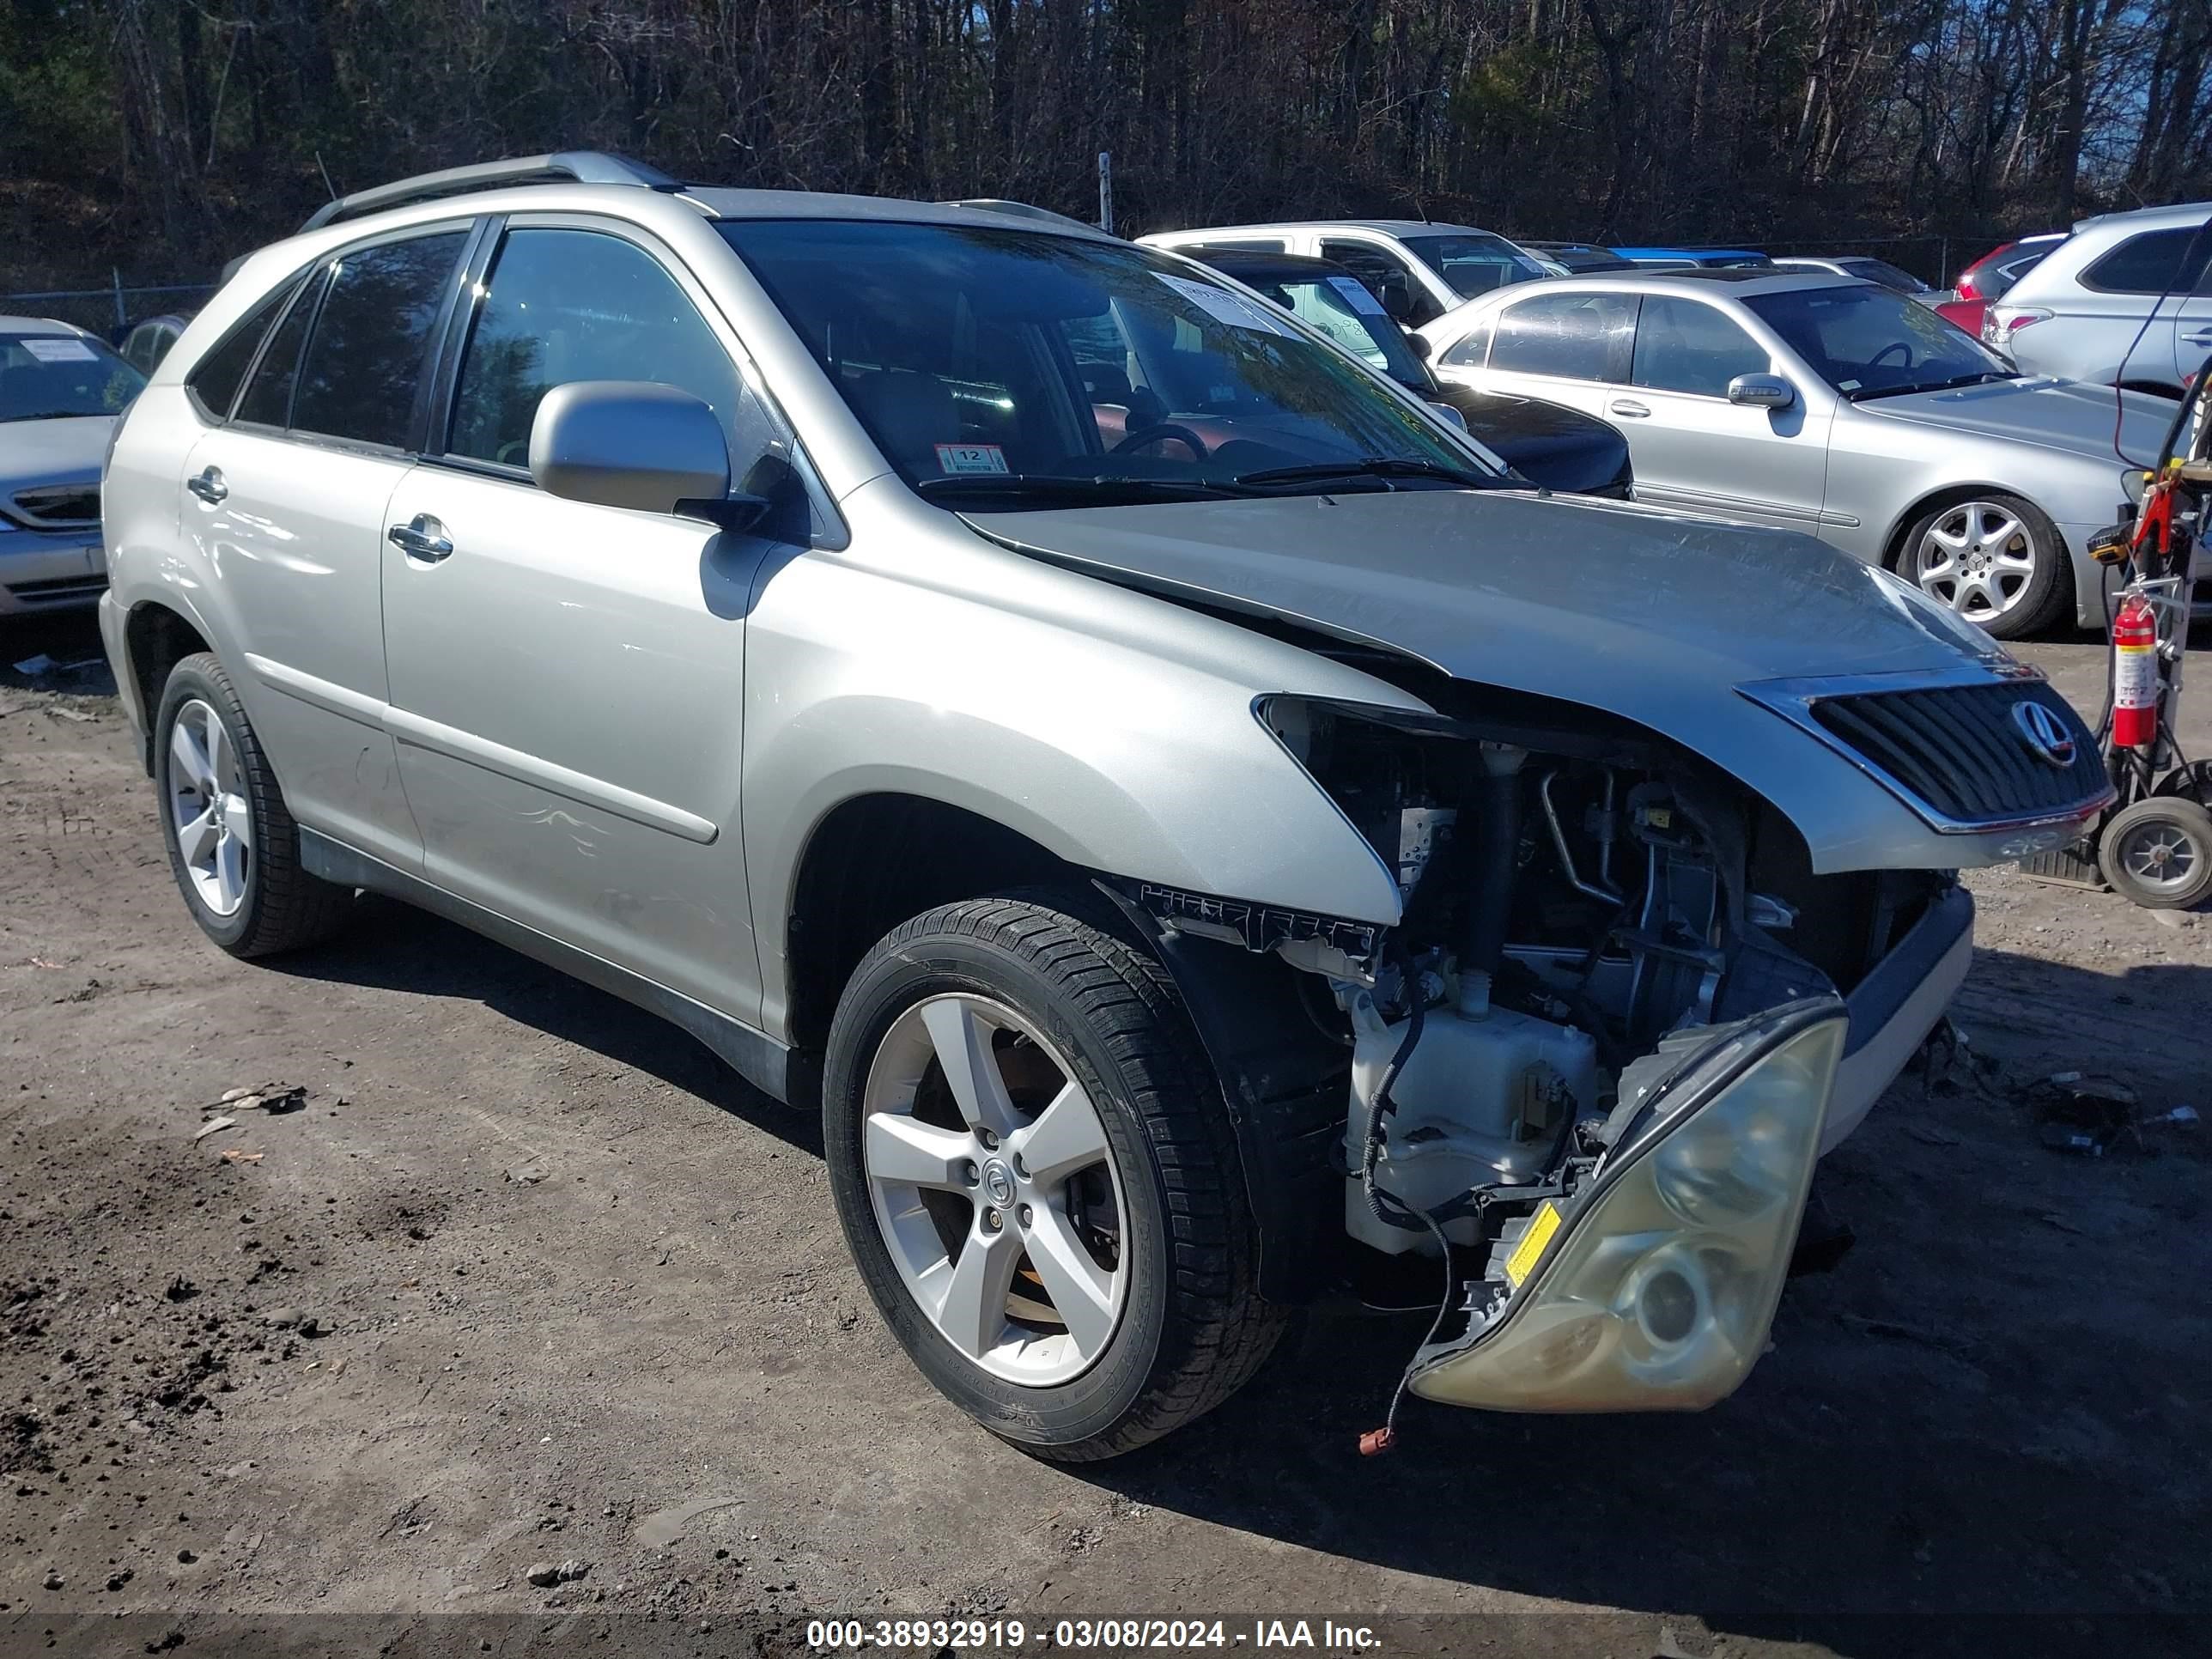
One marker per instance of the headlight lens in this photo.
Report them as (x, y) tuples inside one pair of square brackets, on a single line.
[(1659, 1294)]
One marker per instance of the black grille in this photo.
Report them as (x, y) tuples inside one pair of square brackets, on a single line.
[(59, 587), (1961, 750), (60, 506)]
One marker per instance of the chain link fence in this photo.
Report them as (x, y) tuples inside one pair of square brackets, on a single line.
[(109, 312)]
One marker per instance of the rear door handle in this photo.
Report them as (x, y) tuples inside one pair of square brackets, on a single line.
[(2201, 336), (207, 483), (1629, 407), (421, 538)]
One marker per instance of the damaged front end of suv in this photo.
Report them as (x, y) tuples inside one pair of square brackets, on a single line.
[(1595, 1060)]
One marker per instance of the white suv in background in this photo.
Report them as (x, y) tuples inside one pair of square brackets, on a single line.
[(2122, 301), (1419, 270)]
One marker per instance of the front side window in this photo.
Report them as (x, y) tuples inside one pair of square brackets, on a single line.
[(1684, 346), (365, 363), (2156, 262), (1571, 337), (564, 305), (1472, 265), (1390, 278), (1869, 343), (1011, 365), (51, 377)]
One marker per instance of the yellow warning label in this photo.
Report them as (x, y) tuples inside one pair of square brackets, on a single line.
[(1530, 1250)]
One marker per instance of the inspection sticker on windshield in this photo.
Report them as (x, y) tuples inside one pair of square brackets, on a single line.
[(1222, 306), (56, 350), (1530, 1250), (970, 457), (1356, 294)]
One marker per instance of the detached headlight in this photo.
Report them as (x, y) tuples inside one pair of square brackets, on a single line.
[(1653, 1288)]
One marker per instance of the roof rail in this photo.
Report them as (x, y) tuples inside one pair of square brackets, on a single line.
[(581, 166)]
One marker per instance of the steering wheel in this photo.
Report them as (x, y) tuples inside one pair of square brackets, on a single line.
[(1905, 346), (1158, 432)]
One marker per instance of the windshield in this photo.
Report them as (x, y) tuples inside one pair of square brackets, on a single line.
[(49, 377), (1872, 342), (1474, 264), (1004, 366), (1880, 270), (1346, 309)]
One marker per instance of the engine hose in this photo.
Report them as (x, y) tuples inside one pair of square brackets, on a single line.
[(1379, 1202)]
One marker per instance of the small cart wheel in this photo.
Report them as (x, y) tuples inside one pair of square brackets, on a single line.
[(2158, 852)]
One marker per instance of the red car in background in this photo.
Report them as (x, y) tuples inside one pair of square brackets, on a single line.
[(1989, 276)]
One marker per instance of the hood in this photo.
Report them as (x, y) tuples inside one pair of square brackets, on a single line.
[(52, 451), (2067, 415), (1560, 448), (1647, 615)]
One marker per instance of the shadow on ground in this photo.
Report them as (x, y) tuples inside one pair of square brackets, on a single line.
[(1997, 1404)]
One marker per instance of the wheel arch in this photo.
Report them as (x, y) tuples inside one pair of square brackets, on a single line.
[(1949, 494), (156, 637)]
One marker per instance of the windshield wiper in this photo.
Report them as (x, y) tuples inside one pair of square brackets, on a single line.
[(1979, 377), (1384, 467), (1102, 491)]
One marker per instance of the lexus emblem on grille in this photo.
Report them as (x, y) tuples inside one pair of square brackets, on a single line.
[(2044, 732)]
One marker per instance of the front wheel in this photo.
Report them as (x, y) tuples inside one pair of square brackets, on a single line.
[(1036, 1178), (1995, 559)]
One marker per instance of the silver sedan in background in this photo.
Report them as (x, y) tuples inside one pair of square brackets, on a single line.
[(1833, 406)]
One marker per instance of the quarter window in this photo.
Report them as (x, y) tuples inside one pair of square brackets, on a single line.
[(268, 399), (578, 305), (364, 364), (1473, 350), (1573, 337), (2156, 262), (1683, 346), (214, 379)]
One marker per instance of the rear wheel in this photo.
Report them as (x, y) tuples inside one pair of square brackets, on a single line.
[(2158, 852), (1995, 559), (233, 845), (1037, 1178)]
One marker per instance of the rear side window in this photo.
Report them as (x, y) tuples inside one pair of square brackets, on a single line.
[(364, 364), (1574, 337), (214, 379), (2156, 262), (268, 399), (577, 304)]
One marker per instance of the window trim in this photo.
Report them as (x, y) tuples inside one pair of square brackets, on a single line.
[(1636, 333), (460, 324), (1538, 295)]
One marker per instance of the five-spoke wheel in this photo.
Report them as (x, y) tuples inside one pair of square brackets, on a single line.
[(207, 807)]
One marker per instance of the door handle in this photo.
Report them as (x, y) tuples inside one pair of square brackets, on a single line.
[(421, 537), (1629, 407), (2201, 336), (207, 483)]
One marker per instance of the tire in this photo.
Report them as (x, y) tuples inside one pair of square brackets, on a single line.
[(1960, 553), (260, 900), (2158, 852), (1057, 1004)]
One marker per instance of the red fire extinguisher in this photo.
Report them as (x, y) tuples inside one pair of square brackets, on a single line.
[(2135, 674)]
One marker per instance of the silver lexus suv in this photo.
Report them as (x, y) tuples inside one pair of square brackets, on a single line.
[(1203, 838)]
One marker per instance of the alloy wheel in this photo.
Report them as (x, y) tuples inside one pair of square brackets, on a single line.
[(208, 807), (1977, 557), (995, 1189)]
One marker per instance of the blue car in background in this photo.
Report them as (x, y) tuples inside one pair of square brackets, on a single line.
[(1709, 258)]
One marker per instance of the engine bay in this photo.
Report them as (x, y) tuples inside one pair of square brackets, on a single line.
[(1575, 895)]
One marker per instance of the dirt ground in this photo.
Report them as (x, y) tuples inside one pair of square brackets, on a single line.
[(527, 1280)]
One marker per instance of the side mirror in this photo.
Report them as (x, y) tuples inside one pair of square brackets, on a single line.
[(629, 443), (1446, 412), (1762, 392), (1419, 346)]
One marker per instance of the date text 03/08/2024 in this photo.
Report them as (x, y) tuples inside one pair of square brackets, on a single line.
[(1110, 1635)]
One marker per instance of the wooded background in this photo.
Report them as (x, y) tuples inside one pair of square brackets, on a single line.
[(163, 136)]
